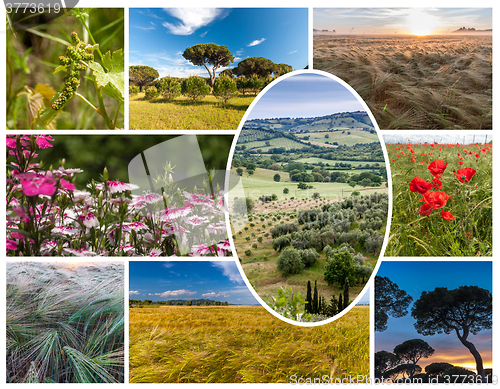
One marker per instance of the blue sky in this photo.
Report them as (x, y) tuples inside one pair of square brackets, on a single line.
[(305, 95), (158, 37), (186, 280), (401, 20), (414, 277)]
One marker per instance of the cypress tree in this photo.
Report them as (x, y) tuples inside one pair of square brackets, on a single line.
[(341, 301), (333, 307), (346, 294), (315, 303), (308, 307)]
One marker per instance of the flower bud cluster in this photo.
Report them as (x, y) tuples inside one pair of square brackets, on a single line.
[(75, 54)]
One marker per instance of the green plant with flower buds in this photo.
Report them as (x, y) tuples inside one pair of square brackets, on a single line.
[(95, 77)]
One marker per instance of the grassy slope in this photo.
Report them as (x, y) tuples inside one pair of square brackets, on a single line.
[(242, 344), (182, 114), (356, 136), (261, 183)]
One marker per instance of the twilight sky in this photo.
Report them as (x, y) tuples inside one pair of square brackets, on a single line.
[(305, 95), (414, 277), (185, 280), (159, 36), (420, 21)]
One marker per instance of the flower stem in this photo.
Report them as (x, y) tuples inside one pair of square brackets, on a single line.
[(88, 102)]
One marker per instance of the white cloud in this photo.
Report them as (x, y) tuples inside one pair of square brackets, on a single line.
[(180, 292), (229, 270), (256, 42), (191, 19), (133, 292), (292, 52)]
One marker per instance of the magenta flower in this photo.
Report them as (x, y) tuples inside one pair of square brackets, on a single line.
[(196, 220), (174, 213), (89, 220), (65, 231), (117, 186), (11, 244), (42, 141), (200, 250), (34, 184)]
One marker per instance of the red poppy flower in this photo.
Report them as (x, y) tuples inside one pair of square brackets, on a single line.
[(425, 210), (460, 163), (447, 215), (477, 155), (458, 154), (436, 199), (419, 185), (437, 168), (465, 174), (436, 183)]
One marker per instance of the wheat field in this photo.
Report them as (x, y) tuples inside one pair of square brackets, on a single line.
[(242, 344), (410, 82)]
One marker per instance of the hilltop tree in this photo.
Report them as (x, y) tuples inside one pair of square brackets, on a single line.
[(411, 351), (389, 300), (438, 368), (465, 310), (142, 75), (255, 66), (277, 177), (209, 54)]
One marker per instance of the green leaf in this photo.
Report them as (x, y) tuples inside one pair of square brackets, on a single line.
[(112, 82), (60, 68)]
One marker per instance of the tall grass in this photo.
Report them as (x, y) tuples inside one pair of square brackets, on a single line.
[(64, 325), (434, 82), (242, 344), (470, 233)]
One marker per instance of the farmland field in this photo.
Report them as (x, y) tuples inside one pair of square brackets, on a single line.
[(354, 136), (409, 82), (459, 221), (261, 183), (242, 344), (182, 114)]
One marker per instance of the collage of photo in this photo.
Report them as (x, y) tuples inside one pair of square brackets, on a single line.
[(297, 195)]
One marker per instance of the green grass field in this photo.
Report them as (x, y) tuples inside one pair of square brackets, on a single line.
[(355, 136), (277, 142), (182, 114), (261, 183), (470, 203), (242, 344), (313, 160)]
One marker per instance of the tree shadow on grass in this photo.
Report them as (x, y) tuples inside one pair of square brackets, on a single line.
[(200, 103)]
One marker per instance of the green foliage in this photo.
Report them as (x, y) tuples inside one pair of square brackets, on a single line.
[(195, 88), (225, 88), (169, 88), (340, 270), (209, 54), (277, 178), (133, 90), (255, 66), (289, 262), (151, 93), (110, 78), (248, 252), (290, 305), (142, 75)]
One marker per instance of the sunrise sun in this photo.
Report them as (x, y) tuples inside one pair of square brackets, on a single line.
[(420, 23)]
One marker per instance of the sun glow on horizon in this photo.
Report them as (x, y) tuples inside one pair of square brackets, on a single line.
[(421, 23)]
